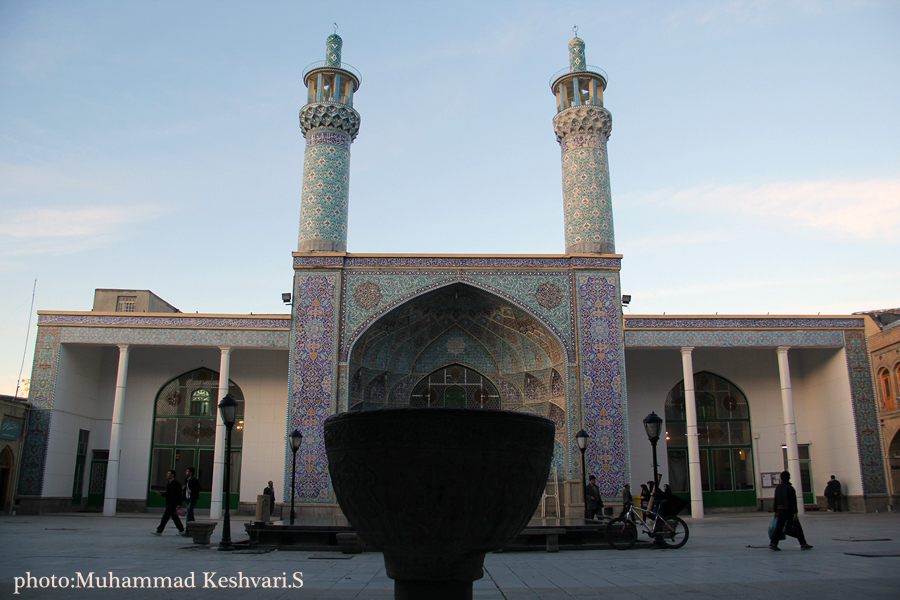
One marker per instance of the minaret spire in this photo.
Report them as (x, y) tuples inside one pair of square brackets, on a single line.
[(582, 129), (329, 125)]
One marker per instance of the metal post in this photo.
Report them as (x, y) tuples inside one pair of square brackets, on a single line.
[(226, 544), (655, 477), (293, 484)]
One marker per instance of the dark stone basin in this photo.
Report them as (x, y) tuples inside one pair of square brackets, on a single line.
[(435, 489)]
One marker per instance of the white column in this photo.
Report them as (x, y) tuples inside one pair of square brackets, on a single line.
[(790, 425), (111, 492), (693, 436), (215, 503)]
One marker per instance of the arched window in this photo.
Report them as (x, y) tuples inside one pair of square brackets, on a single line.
[(888, 397), (723, 427), (455, 386), (184, 433)]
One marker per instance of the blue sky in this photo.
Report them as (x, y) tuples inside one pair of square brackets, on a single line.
[(754, 159)]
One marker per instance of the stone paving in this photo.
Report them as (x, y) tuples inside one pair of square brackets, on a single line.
[(725, 557)]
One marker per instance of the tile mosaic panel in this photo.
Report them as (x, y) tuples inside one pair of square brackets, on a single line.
[(43, 370), (459, 262), (34, 453), (632, 323), (732, 339), (123, 319), (326, 190), (175, 337), (398, 287), (312, 380), (865, 413), (582, 132), (604, 410)]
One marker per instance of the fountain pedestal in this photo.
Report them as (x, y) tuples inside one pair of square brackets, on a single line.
[(435, 489)]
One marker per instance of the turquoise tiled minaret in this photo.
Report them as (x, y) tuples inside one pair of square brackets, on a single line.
[(329, 125), (582, 128)]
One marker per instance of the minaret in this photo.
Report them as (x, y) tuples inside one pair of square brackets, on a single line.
[(582, 128), (329, 125)]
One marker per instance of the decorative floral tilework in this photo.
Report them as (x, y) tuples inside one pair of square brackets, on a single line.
[(634, 323), (724, 338), (604, 411), (34, 453), (176, 337), (312, 380), (131, 320), (865, 413)]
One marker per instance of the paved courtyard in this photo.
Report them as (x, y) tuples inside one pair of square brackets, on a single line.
[(855, 556)]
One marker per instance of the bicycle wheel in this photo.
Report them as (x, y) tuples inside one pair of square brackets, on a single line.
[(672, 532), (621, 533)]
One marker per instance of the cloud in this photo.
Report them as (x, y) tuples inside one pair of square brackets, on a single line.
[(868, 210), (68, 222)]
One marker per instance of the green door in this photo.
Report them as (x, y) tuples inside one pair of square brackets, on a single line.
[(97, 483), (724, 437), (455, 397), (184, 435)]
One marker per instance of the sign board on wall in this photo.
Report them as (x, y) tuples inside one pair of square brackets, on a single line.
[(9, 430), (770, 480)]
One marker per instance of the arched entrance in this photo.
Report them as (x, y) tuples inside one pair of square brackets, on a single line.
[(726, 450), (894, 462), (184, 434), (461, 345)]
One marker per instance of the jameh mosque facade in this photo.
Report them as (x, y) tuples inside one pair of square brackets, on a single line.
[(124, 392)]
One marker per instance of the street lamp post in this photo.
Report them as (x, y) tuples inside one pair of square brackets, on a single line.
[(296, 439), (653, 425), (228, 410), (581, 438)]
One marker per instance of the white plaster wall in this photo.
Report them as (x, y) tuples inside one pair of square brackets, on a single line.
[(824, 413), (652, 373), (77, 404), (822, 407), (149, 368), (262, 375)]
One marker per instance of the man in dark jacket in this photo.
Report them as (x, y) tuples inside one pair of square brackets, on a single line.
[(833, 495), (269, 492), (592, 500), (786, 511), (174, 495), (191, 490)]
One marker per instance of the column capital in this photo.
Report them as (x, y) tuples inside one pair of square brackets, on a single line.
[(782, 349), (226, 349), (123, 347), (687, 349)]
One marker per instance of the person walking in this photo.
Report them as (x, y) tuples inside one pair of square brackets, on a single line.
[(174, 496), (833, 495), (191, 489), (592, 500), (270, 492), (786, 512)]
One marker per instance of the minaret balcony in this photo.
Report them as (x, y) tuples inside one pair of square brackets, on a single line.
[(578, 88), (329, 83)]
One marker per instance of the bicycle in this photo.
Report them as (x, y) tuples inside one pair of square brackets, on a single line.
[(622, 532)]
